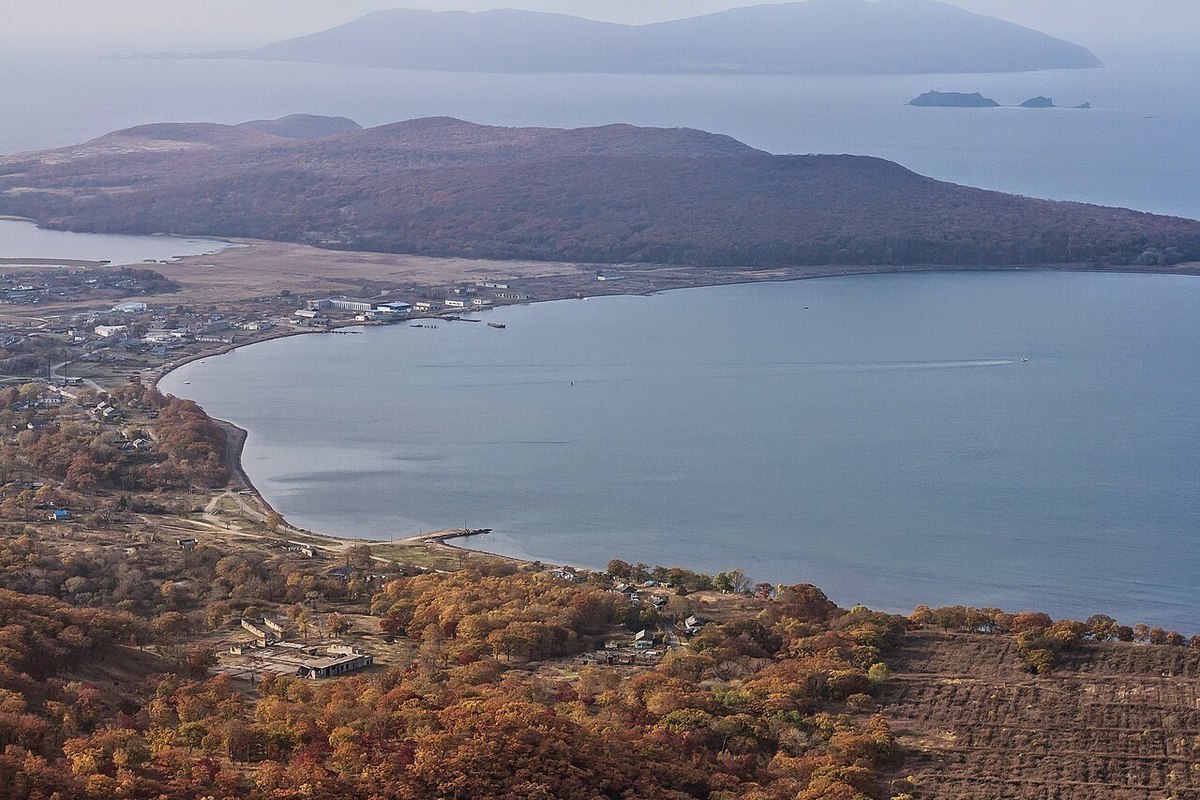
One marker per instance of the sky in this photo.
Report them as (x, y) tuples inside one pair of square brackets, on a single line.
[(94, 27)]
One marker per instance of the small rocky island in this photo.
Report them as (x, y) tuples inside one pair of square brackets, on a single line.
[(1046, 102), (976, 100), (953, 100)]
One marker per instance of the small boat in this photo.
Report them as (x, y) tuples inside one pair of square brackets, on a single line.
[(500, 325), (1024, 360)]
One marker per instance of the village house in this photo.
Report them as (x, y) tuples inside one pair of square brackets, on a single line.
[(341, 660), (164, 334), (309, 317)]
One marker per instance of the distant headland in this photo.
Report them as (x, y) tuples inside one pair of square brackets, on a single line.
[(815, 37), (616, 194)]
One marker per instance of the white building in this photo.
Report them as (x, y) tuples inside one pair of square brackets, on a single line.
[(350, 305), (106, 331), (165, 334)]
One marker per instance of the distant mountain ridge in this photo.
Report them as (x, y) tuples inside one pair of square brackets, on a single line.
[(613, 194), (818, 36)]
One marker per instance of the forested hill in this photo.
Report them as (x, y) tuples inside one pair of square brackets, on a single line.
[(818, 36), (606, 195)]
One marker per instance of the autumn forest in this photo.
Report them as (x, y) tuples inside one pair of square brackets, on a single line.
[(495, 678)]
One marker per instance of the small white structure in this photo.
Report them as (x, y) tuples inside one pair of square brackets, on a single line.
[(105, 331), (455, 303), (129, 308)]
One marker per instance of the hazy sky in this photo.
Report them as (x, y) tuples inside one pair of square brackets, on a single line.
[(102, 26)]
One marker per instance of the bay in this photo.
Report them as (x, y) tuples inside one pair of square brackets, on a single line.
[(1017, 439)]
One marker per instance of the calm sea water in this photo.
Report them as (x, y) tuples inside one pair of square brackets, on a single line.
[(1136, 148), (883, 437), (888, 442), (25, 240)]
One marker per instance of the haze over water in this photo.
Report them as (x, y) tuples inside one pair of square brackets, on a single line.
[(1135, 148), (888, 443)]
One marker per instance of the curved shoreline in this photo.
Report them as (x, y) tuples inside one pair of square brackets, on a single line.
[(236, 436)]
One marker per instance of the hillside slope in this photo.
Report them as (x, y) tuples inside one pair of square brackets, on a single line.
[(607, 195)]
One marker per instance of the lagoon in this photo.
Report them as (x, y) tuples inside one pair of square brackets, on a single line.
[(22, 239), (1018, 439)]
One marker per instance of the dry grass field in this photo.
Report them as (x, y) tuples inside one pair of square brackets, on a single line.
[(1114, 722), (260, 268)]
